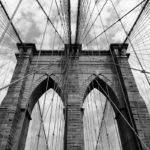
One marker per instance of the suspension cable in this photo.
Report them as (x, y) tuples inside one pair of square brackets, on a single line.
[(94, 21), (62, 24), (69, 20), (143, 8), (50, 21), (59, 122), (16, 32), (53, 134), (100, 126), (130, 41), (42, 125), (115, 22), (89, 17), (116, 128), (99, 123), (10, 20), (102, 121)]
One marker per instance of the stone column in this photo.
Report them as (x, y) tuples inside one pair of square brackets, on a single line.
[(13, 118), (74, 139)]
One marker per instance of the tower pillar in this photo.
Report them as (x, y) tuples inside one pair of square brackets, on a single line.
[(14, 118), (74, 139)]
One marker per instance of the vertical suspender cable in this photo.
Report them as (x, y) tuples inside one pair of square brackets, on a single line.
[(69, 21), (78, 22)]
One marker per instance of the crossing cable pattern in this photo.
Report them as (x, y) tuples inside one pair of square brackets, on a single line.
[(7, 17), (98, 13), (84, 30), (130, 43), (50, 20), (98, 122), (8, 31), (139, 38), (108, 28), (10, 21)]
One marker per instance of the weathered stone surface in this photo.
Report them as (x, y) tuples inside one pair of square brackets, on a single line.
[(84, 69)]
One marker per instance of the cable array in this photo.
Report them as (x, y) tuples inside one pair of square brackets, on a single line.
[(138, 37)]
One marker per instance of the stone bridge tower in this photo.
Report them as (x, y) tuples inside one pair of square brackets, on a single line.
[(75, 73)]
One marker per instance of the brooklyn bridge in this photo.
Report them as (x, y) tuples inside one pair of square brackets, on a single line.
[(75, 75)]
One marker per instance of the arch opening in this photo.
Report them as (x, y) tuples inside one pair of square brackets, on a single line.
[(42, 87), (125, 127), (105, 89), (100, 127), (46, 129)]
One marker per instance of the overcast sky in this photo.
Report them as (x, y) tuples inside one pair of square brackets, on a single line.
[(30, 20)]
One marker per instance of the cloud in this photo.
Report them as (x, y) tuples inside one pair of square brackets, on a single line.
[(119, 36), (30, 21)]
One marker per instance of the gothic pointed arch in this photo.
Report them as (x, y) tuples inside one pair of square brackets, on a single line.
[(105, 89), (125, 131), (40, 89)]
